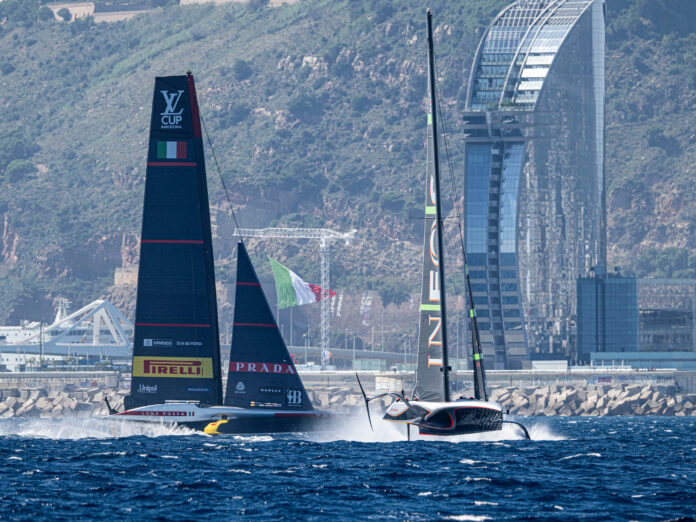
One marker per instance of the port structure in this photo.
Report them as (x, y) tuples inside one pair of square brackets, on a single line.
[(325, 236), (98, 326)]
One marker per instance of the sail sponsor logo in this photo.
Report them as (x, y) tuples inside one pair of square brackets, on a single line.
[(185, 367), (259, 367), (434, 362), (147, 388), (271, 390), (197, 389), (294, 397), (240, 388), (158, 343), (432, 341), (171, 118)]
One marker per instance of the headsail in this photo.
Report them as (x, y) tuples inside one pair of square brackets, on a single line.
[(476, 352), (176, 350), (432, 381), (261, 372)]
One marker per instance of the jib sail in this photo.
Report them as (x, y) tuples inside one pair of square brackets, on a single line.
[(176, 350), (261, 372)]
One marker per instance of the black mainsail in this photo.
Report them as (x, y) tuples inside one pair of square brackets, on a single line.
[(176, 347), (432, 374), (261, 371)]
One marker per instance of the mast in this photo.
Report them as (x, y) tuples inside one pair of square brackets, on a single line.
[(438, 210)]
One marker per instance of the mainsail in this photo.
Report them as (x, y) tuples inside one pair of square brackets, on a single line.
[(261, 372), (432, 381), (176, 350)]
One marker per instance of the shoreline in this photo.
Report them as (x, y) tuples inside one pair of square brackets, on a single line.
[(546, 400)]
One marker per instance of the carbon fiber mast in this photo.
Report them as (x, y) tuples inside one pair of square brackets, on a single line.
[(438, 210)]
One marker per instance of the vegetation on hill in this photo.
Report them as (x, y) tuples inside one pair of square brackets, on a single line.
[(316, 111)]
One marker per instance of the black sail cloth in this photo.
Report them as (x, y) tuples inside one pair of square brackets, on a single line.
[(176, 350)]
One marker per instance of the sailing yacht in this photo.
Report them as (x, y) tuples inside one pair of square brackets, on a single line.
[(177, 375), (431, 407)]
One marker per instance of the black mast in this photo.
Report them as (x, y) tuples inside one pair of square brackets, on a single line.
[(438, 210)]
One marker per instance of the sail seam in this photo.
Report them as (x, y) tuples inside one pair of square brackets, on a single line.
[(173, 241), (182, 325), (171, 164)]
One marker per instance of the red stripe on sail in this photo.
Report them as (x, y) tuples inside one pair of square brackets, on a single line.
[(316, 290), (180, 150), (240, 283), (178, 325), (195, 117), (174, 241), (171, 163), (263, 325)]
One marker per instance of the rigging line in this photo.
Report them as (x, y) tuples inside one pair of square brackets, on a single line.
[(457, 202), (222, 180)]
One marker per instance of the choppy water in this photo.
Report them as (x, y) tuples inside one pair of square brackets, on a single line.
[(617, 468)]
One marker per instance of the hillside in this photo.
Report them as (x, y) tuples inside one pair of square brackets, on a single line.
[(316, 114)]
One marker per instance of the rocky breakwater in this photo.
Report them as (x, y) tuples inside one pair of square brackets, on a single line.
[(43, 403), (631, 399)]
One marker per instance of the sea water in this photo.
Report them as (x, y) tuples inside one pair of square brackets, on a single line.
[(612, 468)]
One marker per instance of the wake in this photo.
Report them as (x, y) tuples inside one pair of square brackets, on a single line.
[(358, 430), (76, 428)]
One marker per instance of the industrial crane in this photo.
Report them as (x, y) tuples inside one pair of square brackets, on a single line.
[(325, 236)]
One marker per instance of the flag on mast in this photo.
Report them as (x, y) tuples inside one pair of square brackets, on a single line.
[(292, 290)]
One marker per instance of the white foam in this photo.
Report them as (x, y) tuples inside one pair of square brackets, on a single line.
[(468, 517), (357, 429), (76, 428), (581, 455)]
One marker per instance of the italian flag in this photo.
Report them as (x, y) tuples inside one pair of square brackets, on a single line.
[(292, 290), (171, 150)]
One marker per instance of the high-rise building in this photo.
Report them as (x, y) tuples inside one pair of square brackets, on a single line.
[(607, 315), (534, 219)]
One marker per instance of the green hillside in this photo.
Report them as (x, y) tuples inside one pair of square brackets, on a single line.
[(316, 114)]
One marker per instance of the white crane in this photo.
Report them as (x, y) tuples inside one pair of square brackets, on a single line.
[(325, 236)]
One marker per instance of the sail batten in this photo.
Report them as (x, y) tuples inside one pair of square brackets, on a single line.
[(176, 351)]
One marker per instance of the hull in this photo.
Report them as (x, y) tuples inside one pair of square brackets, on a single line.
[(217, 420), (448, 418)]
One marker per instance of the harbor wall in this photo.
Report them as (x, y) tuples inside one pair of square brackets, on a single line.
[(73, 394)]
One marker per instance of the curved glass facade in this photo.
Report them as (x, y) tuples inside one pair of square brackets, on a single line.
[(534, 173)]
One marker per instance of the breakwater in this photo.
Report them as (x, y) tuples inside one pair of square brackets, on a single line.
[(549, 400)]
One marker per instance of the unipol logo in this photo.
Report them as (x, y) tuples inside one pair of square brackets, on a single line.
[(171, 119), (294, 397)]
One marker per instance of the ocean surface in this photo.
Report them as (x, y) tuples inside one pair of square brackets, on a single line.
[(614, 468)]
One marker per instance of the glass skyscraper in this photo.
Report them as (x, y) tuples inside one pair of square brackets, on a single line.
[(607, 315), (534, 218)]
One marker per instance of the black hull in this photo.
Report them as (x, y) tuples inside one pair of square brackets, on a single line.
[(465, 421)]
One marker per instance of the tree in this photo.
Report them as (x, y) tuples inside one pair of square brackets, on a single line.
[(46, 14), (18, 169), (241, 70), (361, 104), (65, 14)]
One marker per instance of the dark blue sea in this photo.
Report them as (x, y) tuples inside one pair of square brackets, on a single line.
[(620, 468)]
